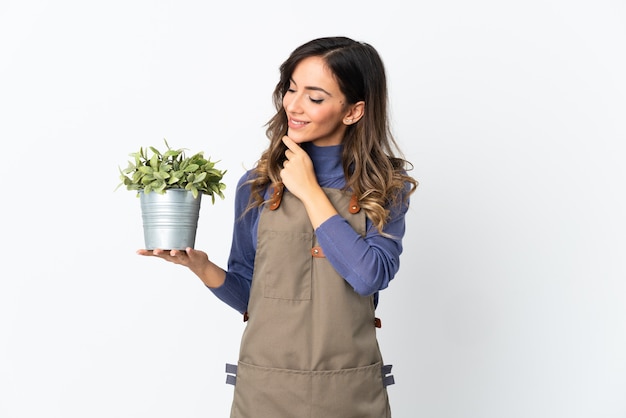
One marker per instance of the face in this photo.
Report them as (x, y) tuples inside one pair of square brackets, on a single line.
[(314, 105)]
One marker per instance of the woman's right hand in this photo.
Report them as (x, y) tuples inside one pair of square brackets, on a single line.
[(197, 261)]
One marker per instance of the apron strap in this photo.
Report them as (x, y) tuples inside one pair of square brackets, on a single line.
[(277, 196), (231, 374), (387, 378), (354, 205)]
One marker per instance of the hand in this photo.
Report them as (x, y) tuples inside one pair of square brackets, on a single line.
[(298, 174), (188, 257), (197, 261)]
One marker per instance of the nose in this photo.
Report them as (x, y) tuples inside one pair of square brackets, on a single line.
[(292, 102)]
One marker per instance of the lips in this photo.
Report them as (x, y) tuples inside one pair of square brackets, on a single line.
[(297, 124)]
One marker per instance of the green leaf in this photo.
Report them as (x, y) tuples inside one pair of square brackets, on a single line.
[(155, 151), (160, 188), (146, 169), (171, 154), (199, 178), (161, 175), (154, 161), (194, 191)]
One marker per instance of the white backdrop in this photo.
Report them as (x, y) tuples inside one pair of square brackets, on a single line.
[(511, 297)]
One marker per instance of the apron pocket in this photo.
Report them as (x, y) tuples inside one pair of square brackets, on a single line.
[(347, 393), (350, 393), (291, 278), (263, 392)]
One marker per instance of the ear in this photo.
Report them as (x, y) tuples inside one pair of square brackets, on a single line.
[(354, 114)]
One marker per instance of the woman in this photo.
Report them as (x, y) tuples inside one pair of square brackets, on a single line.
[(318, 233)]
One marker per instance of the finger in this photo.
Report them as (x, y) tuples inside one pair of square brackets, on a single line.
[(291, 144), (157, 252), (192, 254)]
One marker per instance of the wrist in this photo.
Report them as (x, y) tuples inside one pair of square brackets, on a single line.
[(319, 208), (212, 275)]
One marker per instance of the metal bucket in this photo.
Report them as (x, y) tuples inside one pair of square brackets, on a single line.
[(170, 220)]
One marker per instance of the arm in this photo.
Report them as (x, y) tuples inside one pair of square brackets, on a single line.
[(367, 263), (235, 289)]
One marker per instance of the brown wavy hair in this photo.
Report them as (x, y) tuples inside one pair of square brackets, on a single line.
[(375, 170)]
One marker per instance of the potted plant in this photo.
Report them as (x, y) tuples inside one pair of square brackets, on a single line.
[(170, 186)]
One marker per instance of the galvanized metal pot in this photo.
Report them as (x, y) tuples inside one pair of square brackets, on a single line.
[(170, 220)]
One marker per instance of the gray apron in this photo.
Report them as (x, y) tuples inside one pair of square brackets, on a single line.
[(309, 348)]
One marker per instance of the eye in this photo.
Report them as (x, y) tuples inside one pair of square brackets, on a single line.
[(316, 101), (291, 88)]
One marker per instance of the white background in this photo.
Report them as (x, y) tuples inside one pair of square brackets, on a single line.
[(511, 297)]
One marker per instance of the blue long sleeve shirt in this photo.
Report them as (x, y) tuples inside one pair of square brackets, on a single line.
[(367, 263)]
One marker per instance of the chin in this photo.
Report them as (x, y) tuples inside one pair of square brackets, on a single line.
[(298, 139)]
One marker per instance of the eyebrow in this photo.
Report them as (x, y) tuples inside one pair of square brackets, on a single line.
[(312, 88)]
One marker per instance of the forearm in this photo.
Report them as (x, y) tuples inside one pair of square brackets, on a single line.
[(368, 264), (234, 291), (318, 206), (211, 275)]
